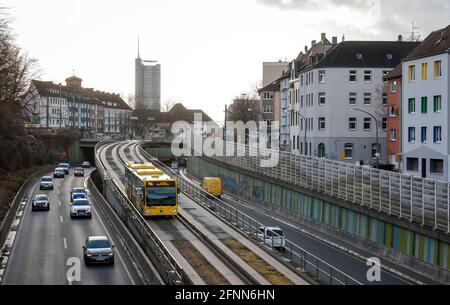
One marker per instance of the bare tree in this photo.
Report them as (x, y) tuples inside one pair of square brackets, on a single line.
[(168, 104), (245, 109), (381, 108), (131, 101)]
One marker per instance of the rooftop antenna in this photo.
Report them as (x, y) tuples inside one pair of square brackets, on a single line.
[(414, 32), (138, 48)]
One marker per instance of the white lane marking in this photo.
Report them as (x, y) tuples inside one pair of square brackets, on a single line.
[(59, 203), (60, 217), (65, 243), (118, 253), (59, 192)]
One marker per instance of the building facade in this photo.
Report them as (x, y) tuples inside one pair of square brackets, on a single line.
[(425, 108), (342, 101), (285, 111), (393, 114), (72, 106), (147, 84)]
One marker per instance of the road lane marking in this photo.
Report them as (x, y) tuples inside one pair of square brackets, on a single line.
[(59, 203), (118, 253), (60, 217), (65, 243)]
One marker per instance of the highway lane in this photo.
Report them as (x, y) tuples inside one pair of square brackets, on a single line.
[(350, 264), (46, 240)]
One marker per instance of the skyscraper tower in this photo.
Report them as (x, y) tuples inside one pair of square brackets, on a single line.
[(147, 83)]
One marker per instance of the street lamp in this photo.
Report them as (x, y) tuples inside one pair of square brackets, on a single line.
[(304, 119), (376, 125)]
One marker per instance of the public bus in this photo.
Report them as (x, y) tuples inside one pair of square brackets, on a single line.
[(151, 191)]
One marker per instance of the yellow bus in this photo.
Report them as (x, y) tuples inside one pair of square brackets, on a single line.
[(152, 191)]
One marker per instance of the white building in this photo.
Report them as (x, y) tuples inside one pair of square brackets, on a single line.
[(147, 84), (341, 99), (425, 108)]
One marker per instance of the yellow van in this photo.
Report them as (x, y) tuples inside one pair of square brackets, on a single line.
[(213, 186)]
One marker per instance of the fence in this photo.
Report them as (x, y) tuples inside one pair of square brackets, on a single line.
[(422, 201), (297, 256)]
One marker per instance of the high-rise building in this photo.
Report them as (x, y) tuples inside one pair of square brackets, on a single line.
[(147, 83)]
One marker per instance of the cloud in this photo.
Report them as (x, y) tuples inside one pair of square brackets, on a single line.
[(383, 18)]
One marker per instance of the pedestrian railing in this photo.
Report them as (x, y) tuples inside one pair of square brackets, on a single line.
[(422, 201)]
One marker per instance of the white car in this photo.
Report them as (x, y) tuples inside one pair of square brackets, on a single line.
[(272, 237), (46, 183), (80, 208)]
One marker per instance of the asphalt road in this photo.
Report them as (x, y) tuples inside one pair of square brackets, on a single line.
[(46, 240)]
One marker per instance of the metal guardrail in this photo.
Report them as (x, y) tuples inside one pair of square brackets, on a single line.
[(9, 217), (169, 269), (422, 201), (297, 256)]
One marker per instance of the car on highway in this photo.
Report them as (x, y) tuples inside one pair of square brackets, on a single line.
[(59, 173), (40, 202), (79, 172), (81, 208), (78, 192), (65, 166), (86, 164), (272, 237), (98, 250), (46, 183)]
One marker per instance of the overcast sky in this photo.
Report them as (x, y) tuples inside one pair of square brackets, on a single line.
[(210, 50)]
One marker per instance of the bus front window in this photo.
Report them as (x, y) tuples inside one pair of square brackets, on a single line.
[(161, 196)]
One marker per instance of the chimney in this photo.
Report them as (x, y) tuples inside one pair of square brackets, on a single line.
[(306, 49), (313, 43), (400, 38), (343, 38), (323, 37), (335, 39)]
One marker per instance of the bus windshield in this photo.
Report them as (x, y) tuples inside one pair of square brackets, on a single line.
[(161, 196)]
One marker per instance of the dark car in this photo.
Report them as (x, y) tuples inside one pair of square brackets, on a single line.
[(59, 173), (65, 166), (77, 193), (79, 172), (98, 250), (40, 202)]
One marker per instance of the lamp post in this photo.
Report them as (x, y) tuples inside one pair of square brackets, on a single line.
[(304, 119), (376, 125)]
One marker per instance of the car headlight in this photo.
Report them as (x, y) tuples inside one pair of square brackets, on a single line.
[(88, 253), (110, 253), (174, 211), (88, 210)]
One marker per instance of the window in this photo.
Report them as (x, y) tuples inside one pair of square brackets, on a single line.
[(367, 98), (348, 151), (352, 99), (322, 98), (352, 76), (411, 134), (321, 150), (436, 166), (393, 135), (267, 96), (412, 105), (367, 123), (437, 134), (437, 103), (392, 112), (367, 76), (322, 77), (412, 164), (321, 123), (268, 109), (393, 86), (423, 134), (384, 123), (385, 73), (424, 71), (424, 105), (437, 69), (301, 101), (352, 123), (412, 73), (384, 98)]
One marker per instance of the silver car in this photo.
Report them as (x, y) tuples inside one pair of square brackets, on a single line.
[(272, 237), (46, 183), (80, 208)]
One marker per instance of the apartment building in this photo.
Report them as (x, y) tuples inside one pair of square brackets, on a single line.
[(393, 114), (285, 111), (341, 100), (72, 106), (425, 109)]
